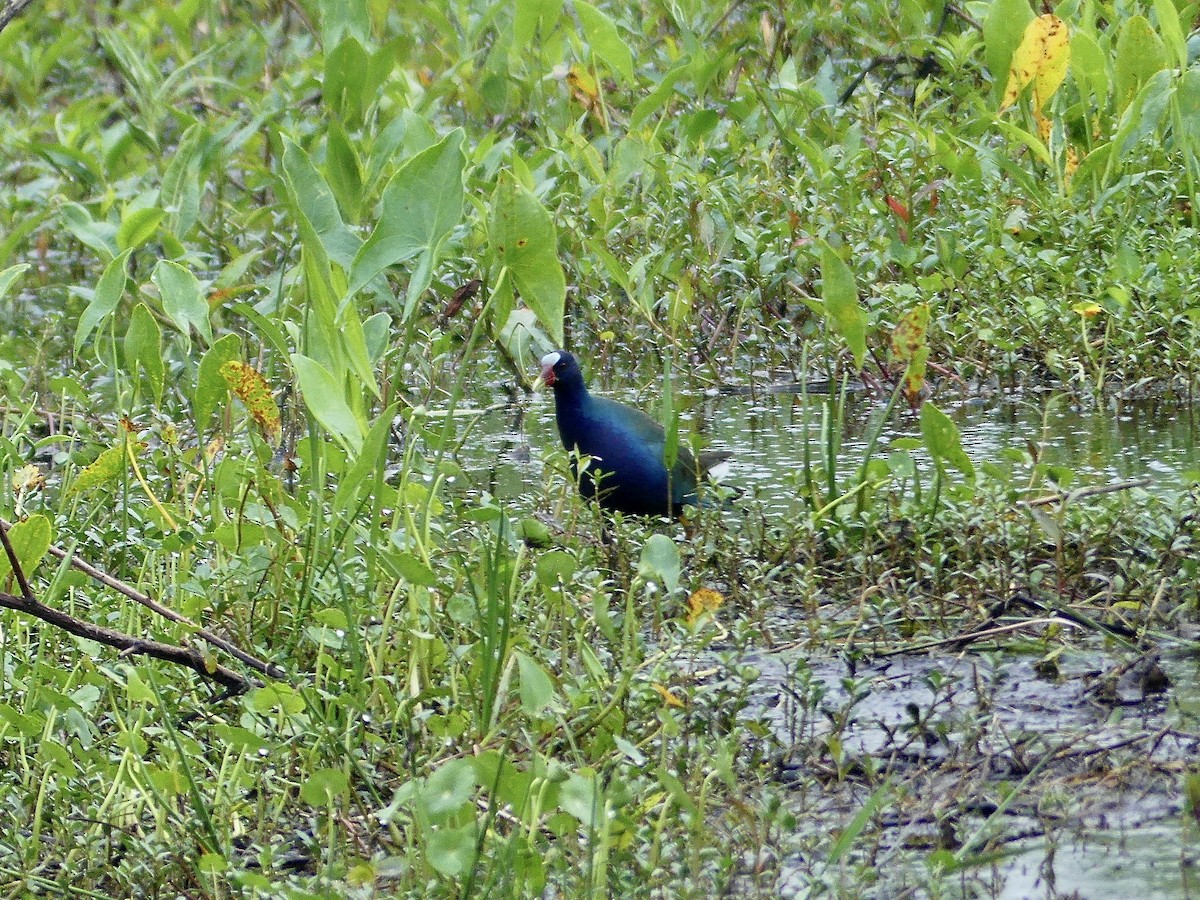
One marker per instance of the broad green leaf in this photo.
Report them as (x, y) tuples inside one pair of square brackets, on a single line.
[(181, 182), (409, 567), (323, 787), (1003, 30), (660, 561), (182, 299), (345, 78), (315, 202), (662, 93), (1187, 95), (343, 170), (100, 236), (605, 40), (325, 398), (342, 18), (1172, 32), (1139, 55), (137, 690), (10, 275), (143, 348), (842, 309), (451, 851), (582, 797), (523, 242), (1089, 67), (531, 15), (1141, 117), (555, 567), (421, 204), (537, 690), (138, 226), (211, 386), (448, 789), (943, 441), (31, 540)]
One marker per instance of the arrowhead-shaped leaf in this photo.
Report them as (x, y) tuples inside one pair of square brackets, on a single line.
[(524, 242), (420, 205), (842, 308)]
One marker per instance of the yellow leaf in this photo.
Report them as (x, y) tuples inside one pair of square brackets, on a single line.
[(252, 389), (665, 693), (702, 602), (909, 334), (1042, 57), (1087, 309), (27, 479)]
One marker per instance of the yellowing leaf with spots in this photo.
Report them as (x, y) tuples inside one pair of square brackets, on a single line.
[(702, 602), (28, 479), (910, 346), (108, 467), (252, 389), (1042, 57)]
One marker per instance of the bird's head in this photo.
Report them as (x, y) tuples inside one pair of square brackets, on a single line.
[(560, 368)]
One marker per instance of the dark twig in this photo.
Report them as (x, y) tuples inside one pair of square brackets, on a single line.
[(128, 644), (150, 603), (10, 10)]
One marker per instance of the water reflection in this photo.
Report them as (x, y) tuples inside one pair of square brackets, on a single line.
[(767, 433)]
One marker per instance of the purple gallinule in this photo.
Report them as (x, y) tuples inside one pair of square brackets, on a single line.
[(626, 471)]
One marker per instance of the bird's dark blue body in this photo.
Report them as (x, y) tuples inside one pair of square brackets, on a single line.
[(625, 447)]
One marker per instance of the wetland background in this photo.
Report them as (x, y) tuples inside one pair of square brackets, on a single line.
[(273, 281)]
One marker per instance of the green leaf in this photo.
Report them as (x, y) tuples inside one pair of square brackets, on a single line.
[(31, 540), (1139, 55), (138, 227), (373, 455), (325, 398), (605, 40), (448, 789), (181, 182), (581, 797), (411, 568), (137, 690), (660, 561), (314, 201), (100, 236), (182, 299), (842, 309), (143, 348), (10, 275), (530, 15), (1003, 30), (420, 206), (345, 77), (524, 243), (555, 566), (452, 850), (343, 170), (943, 441), (323, 787), (1172, 32), (212, 388), (1089, 67), (537, 690)]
